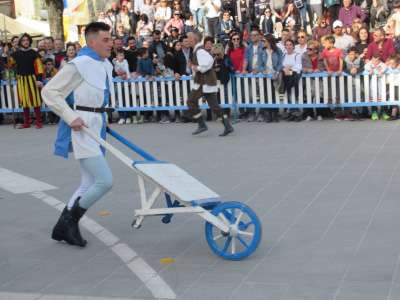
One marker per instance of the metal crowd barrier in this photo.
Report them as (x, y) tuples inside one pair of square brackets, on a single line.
[(241, 92)]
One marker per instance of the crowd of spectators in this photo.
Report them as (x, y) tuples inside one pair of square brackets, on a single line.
[(279, 37)]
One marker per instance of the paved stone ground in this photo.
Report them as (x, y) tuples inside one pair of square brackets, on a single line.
[(327, 194)]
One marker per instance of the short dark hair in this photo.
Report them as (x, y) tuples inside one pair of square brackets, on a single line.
[(182, 37), (352, 49), (156, 32), (120, 52), (118, 39), (49, 38), (130, 39), (70, 45), (47, 60), (209, 39), (94, 28), (13, 38), (142, 51)]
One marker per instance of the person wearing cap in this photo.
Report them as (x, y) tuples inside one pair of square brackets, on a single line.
[(342, 41), (175, 22), (348, 13)]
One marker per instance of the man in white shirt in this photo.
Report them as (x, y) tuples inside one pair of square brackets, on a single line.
[(205, 84), (212, 9), (84, 84)]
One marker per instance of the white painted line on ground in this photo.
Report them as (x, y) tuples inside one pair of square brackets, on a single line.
[(20, 184), (144, 271)]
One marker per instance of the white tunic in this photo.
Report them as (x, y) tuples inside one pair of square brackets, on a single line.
[(86, 78)]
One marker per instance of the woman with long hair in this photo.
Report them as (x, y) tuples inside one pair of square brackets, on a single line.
[(362, 42), (291, 16), (271, 62), (292, 66), (144, 29), (236, 51)]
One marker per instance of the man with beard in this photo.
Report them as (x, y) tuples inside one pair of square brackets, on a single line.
[(84, 84), (29, 80)]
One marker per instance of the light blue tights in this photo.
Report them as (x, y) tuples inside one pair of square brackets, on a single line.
[(96, 181)]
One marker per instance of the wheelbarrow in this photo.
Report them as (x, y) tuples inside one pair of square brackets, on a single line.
[(233, 231)]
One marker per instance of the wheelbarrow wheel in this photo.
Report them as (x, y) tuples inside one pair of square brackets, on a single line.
[(244, 235)]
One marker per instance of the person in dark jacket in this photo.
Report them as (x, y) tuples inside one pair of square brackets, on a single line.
[(183, 60)]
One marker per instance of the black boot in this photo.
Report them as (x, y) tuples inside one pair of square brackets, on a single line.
[(58, 232), (228, 127), (209, 115), (227, 111), (202, 126), (67, 228), (268, 119), (275, 119)]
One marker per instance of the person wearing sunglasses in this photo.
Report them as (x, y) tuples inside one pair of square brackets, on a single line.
[(380, 45), (49, 72), (321, 30), (270, 24), (389, 34), (302, 39), (312, 62), (236, 51)]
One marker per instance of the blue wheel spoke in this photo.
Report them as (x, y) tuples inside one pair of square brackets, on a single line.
[(233, 219), (228, 241), (243, 241), (240, 217), (245, 225)]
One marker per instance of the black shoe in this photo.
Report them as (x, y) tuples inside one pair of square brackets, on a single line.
[(290, 118), (202, 126), (209, 115), (67, 228), (276, 118), (268, 119), (228, 127), (297, 118), (392, 118), (185, 120)]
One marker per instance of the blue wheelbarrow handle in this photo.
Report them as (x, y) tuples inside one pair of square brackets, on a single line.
[(131, 145)]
